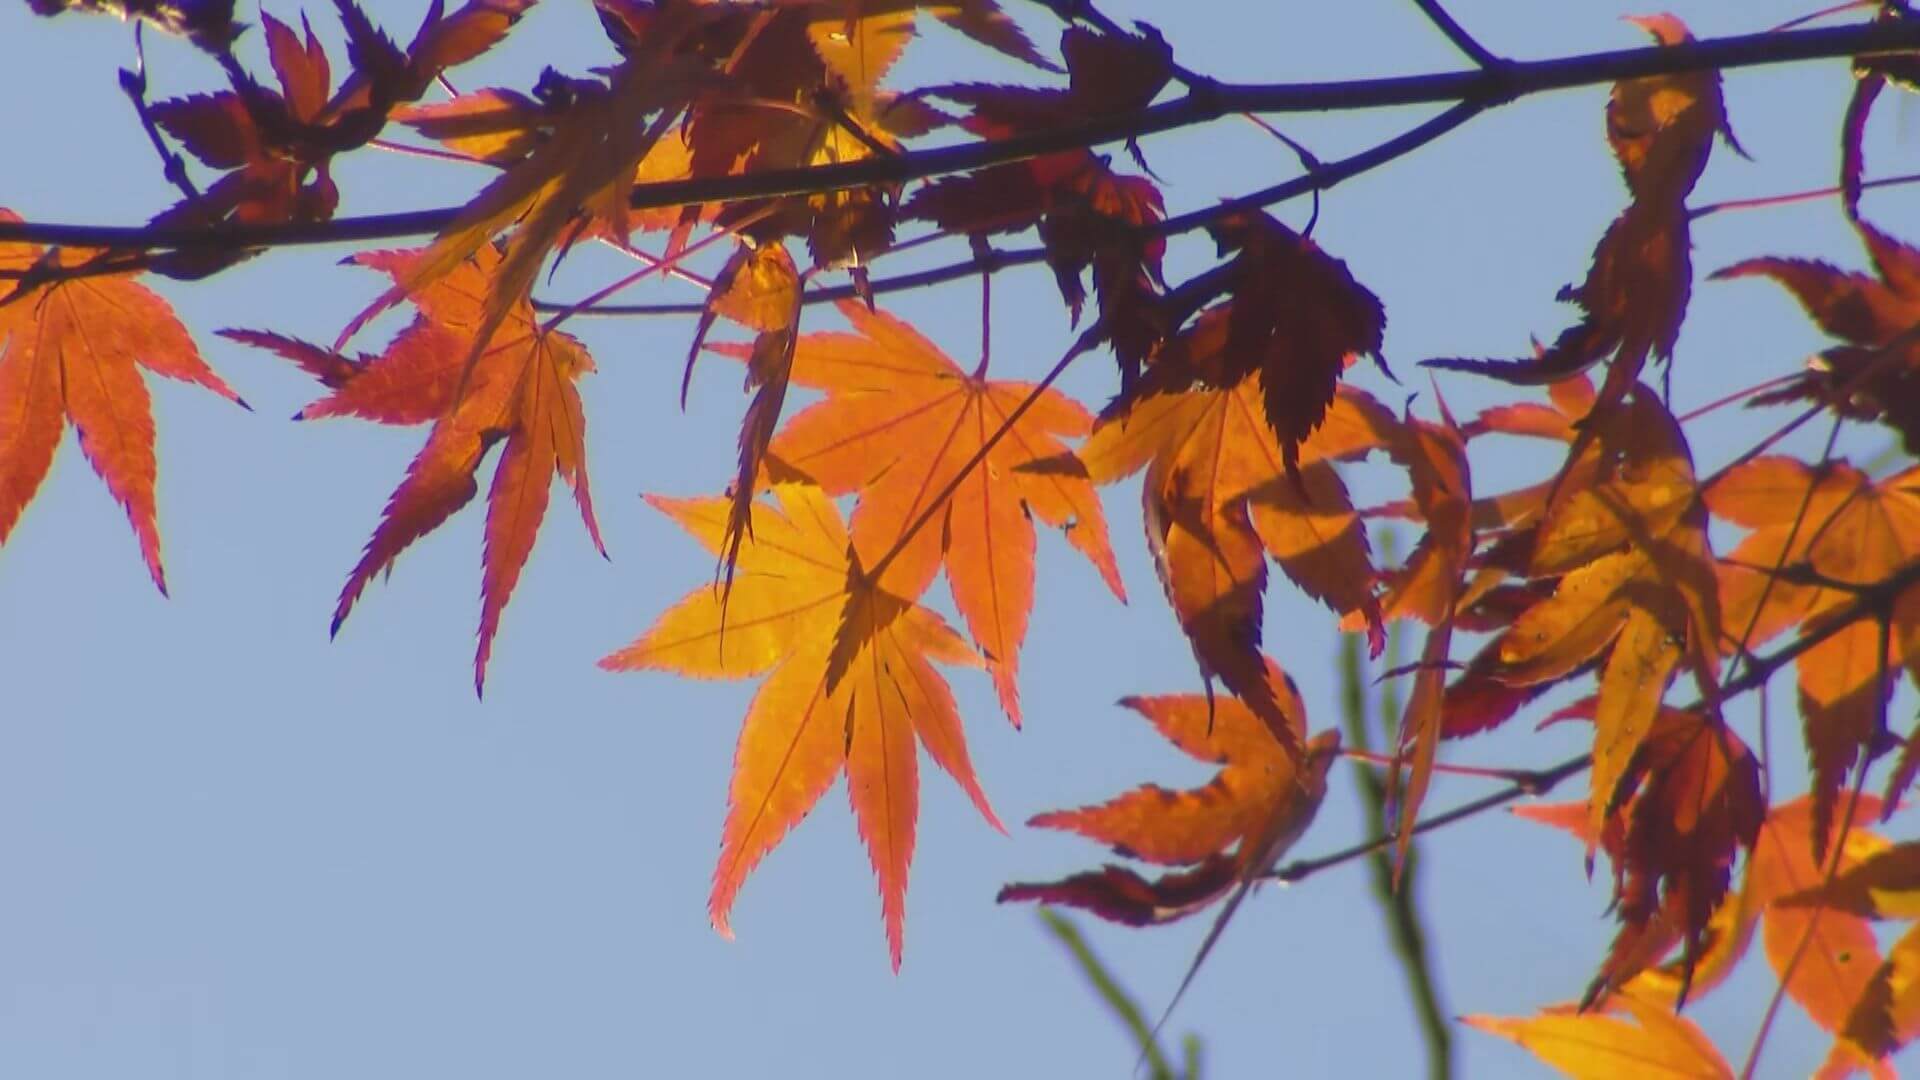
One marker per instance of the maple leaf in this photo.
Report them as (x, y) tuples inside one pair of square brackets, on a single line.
[(1691, 797), (1627, 536), (1777, 892), (1435, 457), (520, 390), (1661, 130), (835, 699), (587, 163), (1260, 802), (1646, 1040), (1840, 955), (1876, 374), (899, 423), (277, 146), (1826, 529), (1218, 502), (1297, 316), (759, 287), (71, 347)]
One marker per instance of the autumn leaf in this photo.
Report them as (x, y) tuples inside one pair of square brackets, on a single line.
[(1876, 375), (1435, 457), (1887, 1016), (759, 288), (834, 699), (1691, 796), (588, 162), (1840, 954), (1661, 130), (1218, 502), (1261, 801), (70, 352), (1831, 531), (1297, 316), (1623, 1037), (521, 390), (900, 423), (1627, 537)]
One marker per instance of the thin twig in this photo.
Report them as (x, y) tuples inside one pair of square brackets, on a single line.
[(1457, 34)]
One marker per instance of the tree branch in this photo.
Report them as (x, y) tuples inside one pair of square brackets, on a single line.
[(1465, 42), (1318, 179), (1486, 86)]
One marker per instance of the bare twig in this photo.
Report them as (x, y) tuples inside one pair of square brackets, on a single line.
[(1457, 34), (1481, 86)]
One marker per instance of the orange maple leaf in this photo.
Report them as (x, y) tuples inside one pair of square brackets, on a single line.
[(899, 423), (71, 349), (520, 389), (1596, 1044), (1219, 501), (1235, 829), (1825, 530), (1778, 892), (1627, 537), (852, 686), (1839, 959)]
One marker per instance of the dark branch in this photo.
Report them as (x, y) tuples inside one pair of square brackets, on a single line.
[(1484, 86), (1457, 34), (1318, 179)]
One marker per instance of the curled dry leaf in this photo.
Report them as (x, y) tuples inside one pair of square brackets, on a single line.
[(1661, 129), (851, 687), (1875, 376)]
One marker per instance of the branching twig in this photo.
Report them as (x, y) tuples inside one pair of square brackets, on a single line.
[(1457, 34), (1482, 86)]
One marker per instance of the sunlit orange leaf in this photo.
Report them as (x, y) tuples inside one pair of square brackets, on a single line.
[(1844, 529), (899, 422), (70, 351), (1887, 1015), (1624, 1037), (1261, 801), (588, 162), (1841, 955), (1628, 538), (1880, 883), (520, 390), (1217, 496), (1154, 824), (852, 686), (1876, 374)]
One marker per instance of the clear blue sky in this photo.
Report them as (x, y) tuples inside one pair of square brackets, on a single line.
[(229, 848)]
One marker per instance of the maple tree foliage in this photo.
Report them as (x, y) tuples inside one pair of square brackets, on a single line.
[(1635, 588)]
